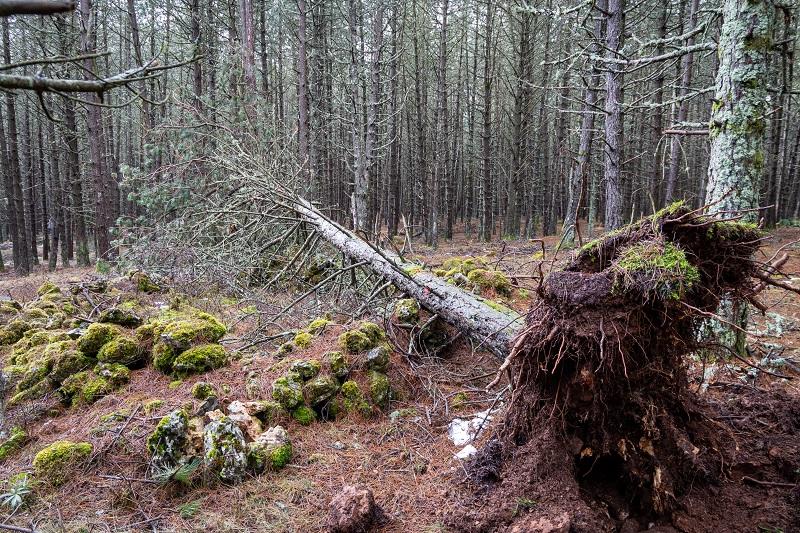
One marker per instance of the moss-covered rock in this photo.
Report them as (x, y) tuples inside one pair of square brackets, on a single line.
[(95, 336), (69, 361), (304, 415), (123, 350), (199, 359), (225, 450), (16, 438), (288, 392), (377, 358), (483, 279), (379, 389), (406, 311), (163, 357), (339, 365), (48, 287), (182, 329), (167, 442), (13, 331), (56, 463), (203, 390), (303, 339), (121, 317), (305, 369), (354, 341), (143, 282), (318, 325), (72, 386), (354, 399), (107, 378), (272, 450), (320, 390), (373, 331), (285, 349), (267, 411)]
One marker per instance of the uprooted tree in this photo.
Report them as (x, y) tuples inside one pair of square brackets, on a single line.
[(599, 368)]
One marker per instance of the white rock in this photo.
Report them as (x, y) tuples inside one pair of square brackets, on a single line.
[(467, 451)]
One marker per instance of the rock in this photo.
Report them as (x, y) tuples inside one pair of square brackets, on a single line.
[(340, 367), (305, 416), (377, 359), (305, 369), (466, 452), (16, 438), (406, 311), (543, 524), (354, 342), (121, 317), (123, 350), (48, 287), (270, 451), (166, 444), (199, 359), (379, 389), (353, 510), (209, 404), (55, 463), (288, 392), (203, 390), (373, 331), (354, 399), (246, 422), (303, 339), (225, 450), (95, 336), (320, 390)]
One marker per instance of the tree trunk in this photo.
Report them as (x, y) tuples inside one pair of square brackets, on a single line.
[(613, 122), (492, 329)]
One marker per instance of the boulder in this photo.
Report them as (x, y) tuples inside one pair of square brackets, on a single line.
[(353, 510), (225, 450)]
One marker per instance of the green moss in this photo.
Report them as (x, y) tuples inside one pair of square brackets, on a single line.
[(123, 350), (144, 283), (288, 392), (163, 357), (201, 327), (497, 306), (14, 442), (406, 311), (36, 391), (272, 450), (71, 386), (665, 266), (412, 269), (48, 287), (379, 389), (490, 279), (145, 334), (151, 406), (13, 331), (340, 367), (200, 359), (355, 341), (318, 325), (203, 390), (373, 331), (354, 399), (303, 339), (55, 463), (174, 384), (285, 349), (304, 415), (69, 361), (95, 336)]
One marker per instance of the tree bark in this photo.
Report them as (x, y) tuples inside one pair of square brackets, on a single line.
[(613, 121)]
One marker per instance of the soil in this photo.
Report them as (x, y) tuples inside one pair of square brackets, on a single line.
[(409, 463)]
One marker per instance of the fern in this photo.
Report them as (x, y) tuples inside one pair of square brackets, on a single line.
[(181, 473), (189, 509)]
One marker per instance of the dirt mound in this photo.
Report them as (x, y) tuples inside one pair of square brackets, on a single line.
[(601, 424)]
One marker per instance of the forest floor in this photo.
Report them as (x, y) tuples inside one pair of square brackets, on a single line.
[(404, 455)]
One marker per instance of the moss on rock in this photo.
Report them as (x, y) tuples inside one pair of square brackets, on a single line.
[(95, 336), (121, 317), (288, 392), (354, 341), (272, 450), (55, 463), (13, 331), (373, 331), (320, 390), (123, 350), (379, 389), (305, 369), (354, 399), (303, 339), (377, 358), (304, 415), (225, 450), (317, 325), (48, 287), (199, 359), (340, 367), (167, 442), (16, 438), (406, 311), (203, 390)]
